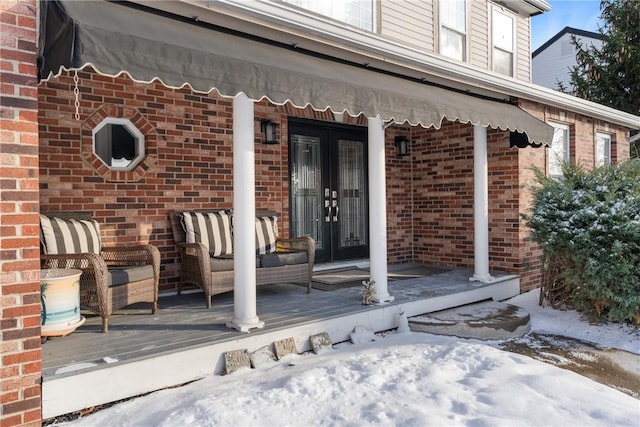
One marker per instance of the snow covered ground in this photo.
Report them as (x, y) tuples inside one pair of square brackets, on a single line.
[(401, 379)]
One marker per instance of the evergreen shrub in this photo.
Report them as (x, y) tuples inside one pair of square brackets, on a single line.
[(588, 225)]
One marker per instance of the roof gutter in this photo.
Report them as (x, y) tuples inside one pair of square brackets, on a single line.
[(541, 5), (284, 23)]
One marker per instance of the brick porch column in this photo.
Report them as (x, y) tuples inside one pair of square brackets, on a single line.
[(20, 352)]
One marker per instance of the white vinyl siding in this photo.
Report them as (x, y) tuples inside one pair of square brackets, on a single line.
[(425, 24), (523, 49), (502, 32), (554, 63), (479, 35), (558, 152), (452, 35), (603, 149), (410, 21)]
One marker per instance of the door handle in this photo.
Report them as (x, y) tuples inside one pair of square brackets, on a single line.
[(327, 216), (327, 205), (336, 210)]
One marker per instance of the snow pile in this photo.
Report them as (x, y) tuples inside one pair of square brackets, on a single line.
[(399, 379)]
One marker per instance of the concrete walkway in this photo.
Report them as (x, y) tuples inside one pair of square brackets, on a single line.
[(615, 368), (508, 326)]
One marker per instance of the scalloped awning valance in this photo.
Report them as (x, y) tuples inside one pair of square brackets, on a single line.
[(116, 38)]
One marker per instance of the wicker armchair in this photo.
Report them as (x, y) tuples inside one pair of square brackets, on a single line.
[(198, 268), (114, 278)]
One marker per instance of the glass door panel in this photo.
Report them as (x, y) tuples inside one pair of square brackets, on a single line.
[(353, 195), (306, 188)]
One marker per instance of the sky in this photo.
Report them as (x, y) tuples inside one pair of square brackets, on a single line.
[(402, 378), (580, 14)]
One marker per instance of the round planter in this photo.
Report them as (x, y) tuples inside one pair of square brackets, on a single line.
[(60, 300)]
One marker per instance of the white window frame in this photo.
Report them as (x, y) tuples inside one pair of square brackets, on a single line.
[(337, 10), (445, 26), (559, 151), (603, 149), (496, 43), (135, 133)]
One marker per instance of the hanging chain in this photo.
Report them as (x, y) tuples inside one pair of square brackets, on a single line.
[(76, 93)]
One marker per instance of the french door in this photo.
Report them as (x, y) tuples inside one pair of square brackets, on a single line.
[(329, 188)]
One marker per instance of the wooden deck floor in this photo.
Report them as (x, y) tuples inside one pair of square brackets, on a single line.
[(186, 333), (184, 321)]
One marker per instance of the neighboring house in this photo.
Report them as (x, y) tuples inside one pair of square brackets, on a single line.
[(552, 62), (186, 86)]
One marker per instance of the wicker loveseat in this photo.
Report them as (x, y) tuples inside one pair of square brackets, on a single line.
[(112, 277), (207, 260)]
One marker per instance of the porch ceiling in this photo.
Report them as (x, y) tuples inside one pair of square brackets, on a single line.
[(148, 45)]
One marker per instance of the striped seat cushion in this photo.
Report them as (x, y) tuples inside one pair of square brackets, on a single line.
[(266, 234), (212, 229), (60, 236)]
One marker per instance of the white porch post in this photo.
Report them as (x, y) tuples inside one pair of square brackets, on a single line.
[(378, 210), (244, 212), (480, 205)]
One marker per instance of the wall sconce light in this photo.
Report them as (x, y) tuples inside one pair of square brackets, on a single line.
[(268, 129), (402, 145)]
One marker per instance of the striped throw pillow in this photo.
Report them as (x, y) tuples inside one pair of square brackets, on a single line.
[(60, 236), (212, 229), (266, 234)]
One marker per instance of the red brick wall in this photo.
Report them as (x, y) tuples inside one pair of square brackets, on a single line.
[(443, 195), (20, 352), (400, 202), (530, 253), (504, 201)]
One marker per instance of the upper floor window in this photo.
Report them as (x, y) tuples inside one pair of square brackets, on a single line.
[(358, 13), (559, 149), (603, 149), (453, 29), (502, 35), (118, 143)]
